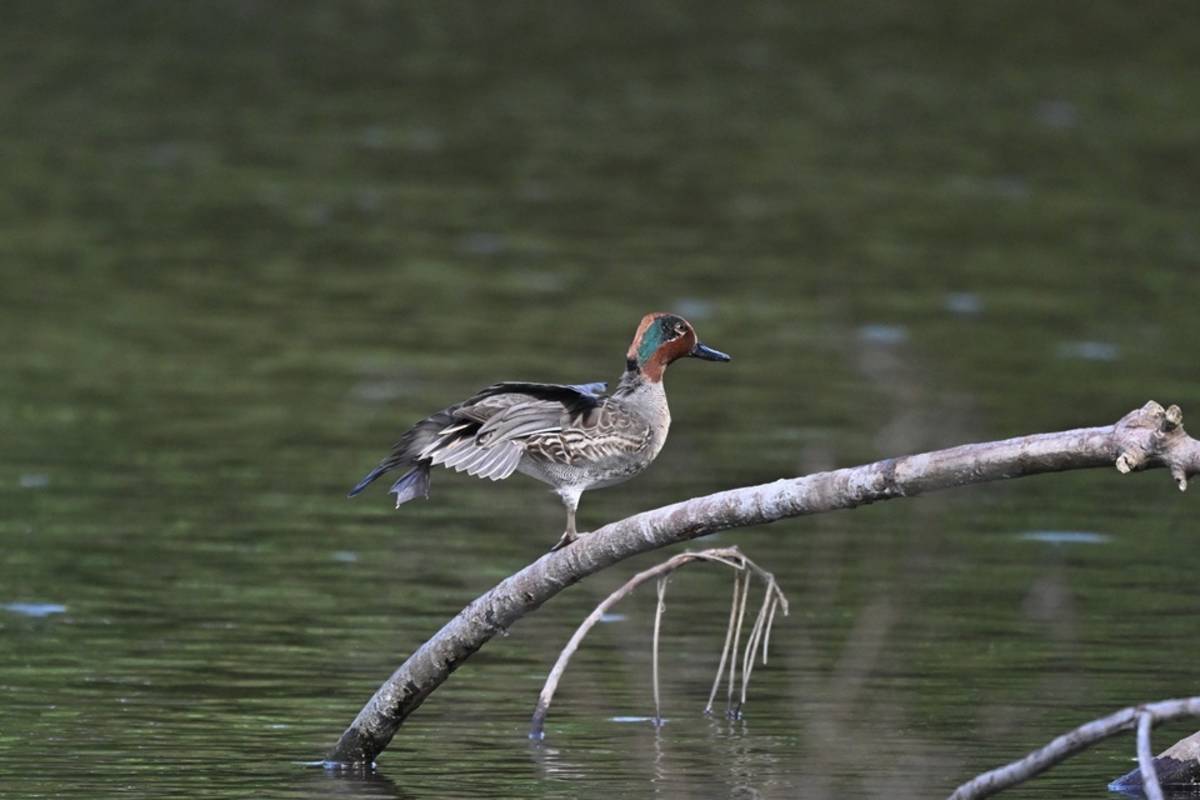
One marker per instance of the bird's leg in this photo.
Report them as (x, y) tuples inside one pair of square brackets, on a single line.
[(570, 534), (571, 501)]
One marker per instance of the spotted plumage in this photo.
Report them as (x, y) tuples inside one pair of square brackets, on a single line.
[(573, 437)]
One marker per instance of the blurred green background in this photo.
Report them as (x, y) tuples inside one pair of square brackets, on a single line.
[(244, 244)]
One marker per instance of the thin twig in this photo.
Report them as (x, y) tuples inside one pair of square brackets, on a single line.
[(775, 603), (733, 604), (733, 563), (537, 728), (1146, 757), (733, 651), (752, 643), (658, 614), (744, 570)]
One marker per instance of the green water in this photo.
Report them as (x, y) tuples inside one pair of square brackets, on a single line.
[(242, 245)]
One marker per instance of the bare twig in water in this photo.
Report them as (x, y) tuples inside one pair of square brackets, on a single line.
[(1145, 438), (731, 557), (725, 648), (733, 650), (1078, 740), (1146, 758), (658, 613), (773, 598)]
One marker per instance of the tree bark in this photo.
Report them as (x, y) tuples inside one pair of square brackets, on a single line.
[(1148, 437)]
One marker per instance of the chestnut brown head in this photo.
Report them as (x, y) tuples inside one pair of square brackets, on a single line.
[(662, 338)]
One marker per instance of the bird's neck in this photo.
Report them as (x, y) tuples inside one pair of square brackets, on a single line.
[(647, 400), (635, 382)]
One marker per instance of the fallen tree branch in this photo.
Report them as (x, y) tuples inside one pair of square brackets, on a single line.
[(1148, 437), (1060, 749), (729, 556)]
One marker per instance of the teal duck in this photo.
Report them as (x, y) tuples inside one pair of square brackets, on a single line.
[(573, 437)]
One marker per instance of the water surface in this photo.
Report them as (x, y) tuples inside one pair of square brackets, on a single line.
[(241, 249)]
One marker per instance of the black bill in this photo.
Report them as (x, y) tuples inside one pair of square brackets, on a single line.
[(707, 353)]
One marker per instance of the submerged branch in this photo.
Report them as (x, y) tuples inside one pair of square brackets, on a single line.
[(1080, 739), (1145, 438), (1177, 766)]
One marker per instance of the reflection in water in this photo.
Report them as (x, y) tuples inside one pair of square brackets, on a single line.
[(340, 780), (1089, 351), (965, 303), (34, 609), (1066, 537)]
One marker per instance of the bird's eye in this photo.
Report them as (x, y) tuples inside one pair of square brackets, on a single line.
[(680, 330)]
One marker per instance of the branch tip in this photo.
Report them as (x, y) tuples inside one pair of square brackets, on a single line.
[(1180, 476), (1153, 408)]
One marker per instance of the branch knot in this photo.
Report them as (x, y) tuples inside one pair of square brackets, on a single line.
[(1154, 436)]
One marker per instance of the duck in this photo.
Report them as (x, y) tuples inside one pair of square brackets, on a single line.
[(574, 437)]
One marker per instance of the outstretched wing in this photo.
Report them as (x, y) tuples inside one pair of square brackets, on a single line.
[(513, 410), (489, 431)]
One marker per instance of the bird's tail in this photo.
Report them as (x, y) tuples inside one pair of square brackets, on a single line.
[(365, 482), (406, 455), (410, 486), (413, 484)]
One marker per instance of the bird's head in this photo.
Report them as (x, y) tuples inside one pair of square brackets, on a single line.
[(662, 338)]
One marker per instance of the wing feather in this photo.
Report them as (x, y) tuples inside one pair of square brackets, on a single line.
[(454, 453), (489, 433), (509, 466), (495, 465), (481, 463), (523, 420), (474, 458)]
